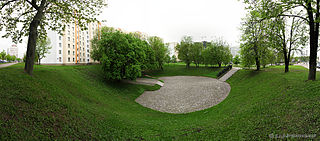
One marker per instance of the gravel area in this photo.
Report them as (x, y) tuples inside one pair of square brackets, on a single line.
[(184, 94)]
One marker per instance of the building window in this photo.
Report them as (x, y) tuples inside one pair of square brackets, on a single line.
[(59, 37), (72, 28), (84, 60), (59, 51), (73, 40), (88, 50), (68, 52), (73, 46), (68, 38), (68, 26), (60, 45), (88, 46), (60, 60), (83, 55), (68, 45), (88, 60), (73, 59), (88, 55), (68, 59), (69, 32)]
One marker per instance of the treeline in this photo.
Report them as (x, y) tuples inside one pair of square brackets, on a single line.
[(126, 55), (209, 53), (8, 57), (280, 27)]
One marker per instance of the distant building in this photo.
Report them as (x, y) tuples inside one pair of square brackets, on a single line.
[(13, 50), (73, 47)]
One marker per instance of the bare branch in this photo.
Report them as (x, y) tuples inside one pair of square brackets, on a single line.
[(8, 2)]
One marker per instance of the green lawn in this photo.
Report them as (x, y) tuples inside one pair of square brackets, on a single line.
[(76, 103), (179, 69)]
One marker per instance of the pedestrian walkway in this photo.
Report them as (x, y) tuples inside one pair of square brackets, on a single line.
[(145, 81), (6, 65), (229, 74)]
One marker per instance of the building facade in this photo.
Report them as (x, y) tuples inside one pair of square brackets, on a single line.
[(13, 50), (73, 47)]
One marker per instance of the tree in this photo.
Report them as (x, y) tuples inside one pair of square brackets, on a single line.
[(195, 53), (307, 10), (38, 15), (167, 59), (284, 41), (3, 55), (173, 59), (123, 56), (42, 48), (253, 38), (160, 49), (236, 60), (184, 49)]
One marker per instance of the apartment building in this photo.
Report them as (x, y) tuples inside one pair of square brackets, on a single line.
[(13, 50), (73, 47)]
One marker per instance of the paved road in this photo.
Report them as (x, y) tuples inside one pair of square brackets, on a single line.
[(6, 65), (184, 94)]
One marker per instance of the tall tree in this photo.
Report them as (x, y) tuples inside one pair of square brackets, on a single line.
[(3, 55), (309, 12), (253, 37), (160, 50), (38, 15), (287, 38), (195, 52), (42, 48), (184, 50)]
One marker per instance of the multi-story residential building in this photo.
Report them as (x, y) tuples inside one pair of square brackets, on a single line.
[(73, 47), (13, 50)]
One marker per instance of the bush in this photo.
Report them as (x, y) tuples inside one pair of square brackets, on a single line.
[(123, 56), (225, 70)]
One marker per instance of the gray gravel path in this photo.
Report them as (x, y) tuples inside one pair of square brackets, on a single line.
[(144, 81), (184, 94)]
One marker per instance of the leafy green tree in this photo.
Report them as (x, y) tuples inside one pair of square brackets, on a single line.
[(38, 15), (287, 38), (123, 56), (184, 49), (217, 53), (306, 10), (42, 48), (160, 49), (236, 60), (3, 55), (253, 38), (173, 59), (167, 59), (195, 52)]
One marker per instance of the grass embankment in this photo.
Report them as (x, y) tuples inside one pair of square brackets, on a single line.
[(74, 102)]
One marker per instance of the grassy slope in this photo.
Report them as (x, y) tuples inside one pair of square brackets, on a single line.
[(75, 102)]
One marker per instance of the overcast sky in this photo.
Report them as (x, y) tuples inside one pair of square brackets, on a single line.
[(172, 19)]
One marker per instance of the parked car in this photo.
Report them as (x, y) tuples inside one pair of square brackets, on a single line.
[(318, 65), (2, 61)]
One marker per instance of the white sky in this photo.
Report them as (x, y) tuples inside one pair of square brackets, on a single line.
[(171, 19)]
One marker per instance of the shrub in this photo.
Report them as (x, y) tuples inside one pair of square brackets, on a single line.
[(123, 56)]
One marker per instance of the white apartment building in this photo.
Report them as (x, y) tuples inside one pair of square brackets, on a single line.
[(73, 47), (13, 50)]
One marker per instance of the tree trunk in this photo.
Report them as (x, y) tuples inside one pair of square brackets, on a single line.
[(219, 65), (257, 63), (188, 65), (313, 55), (32, 40), (286, 61), (313, 60)]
